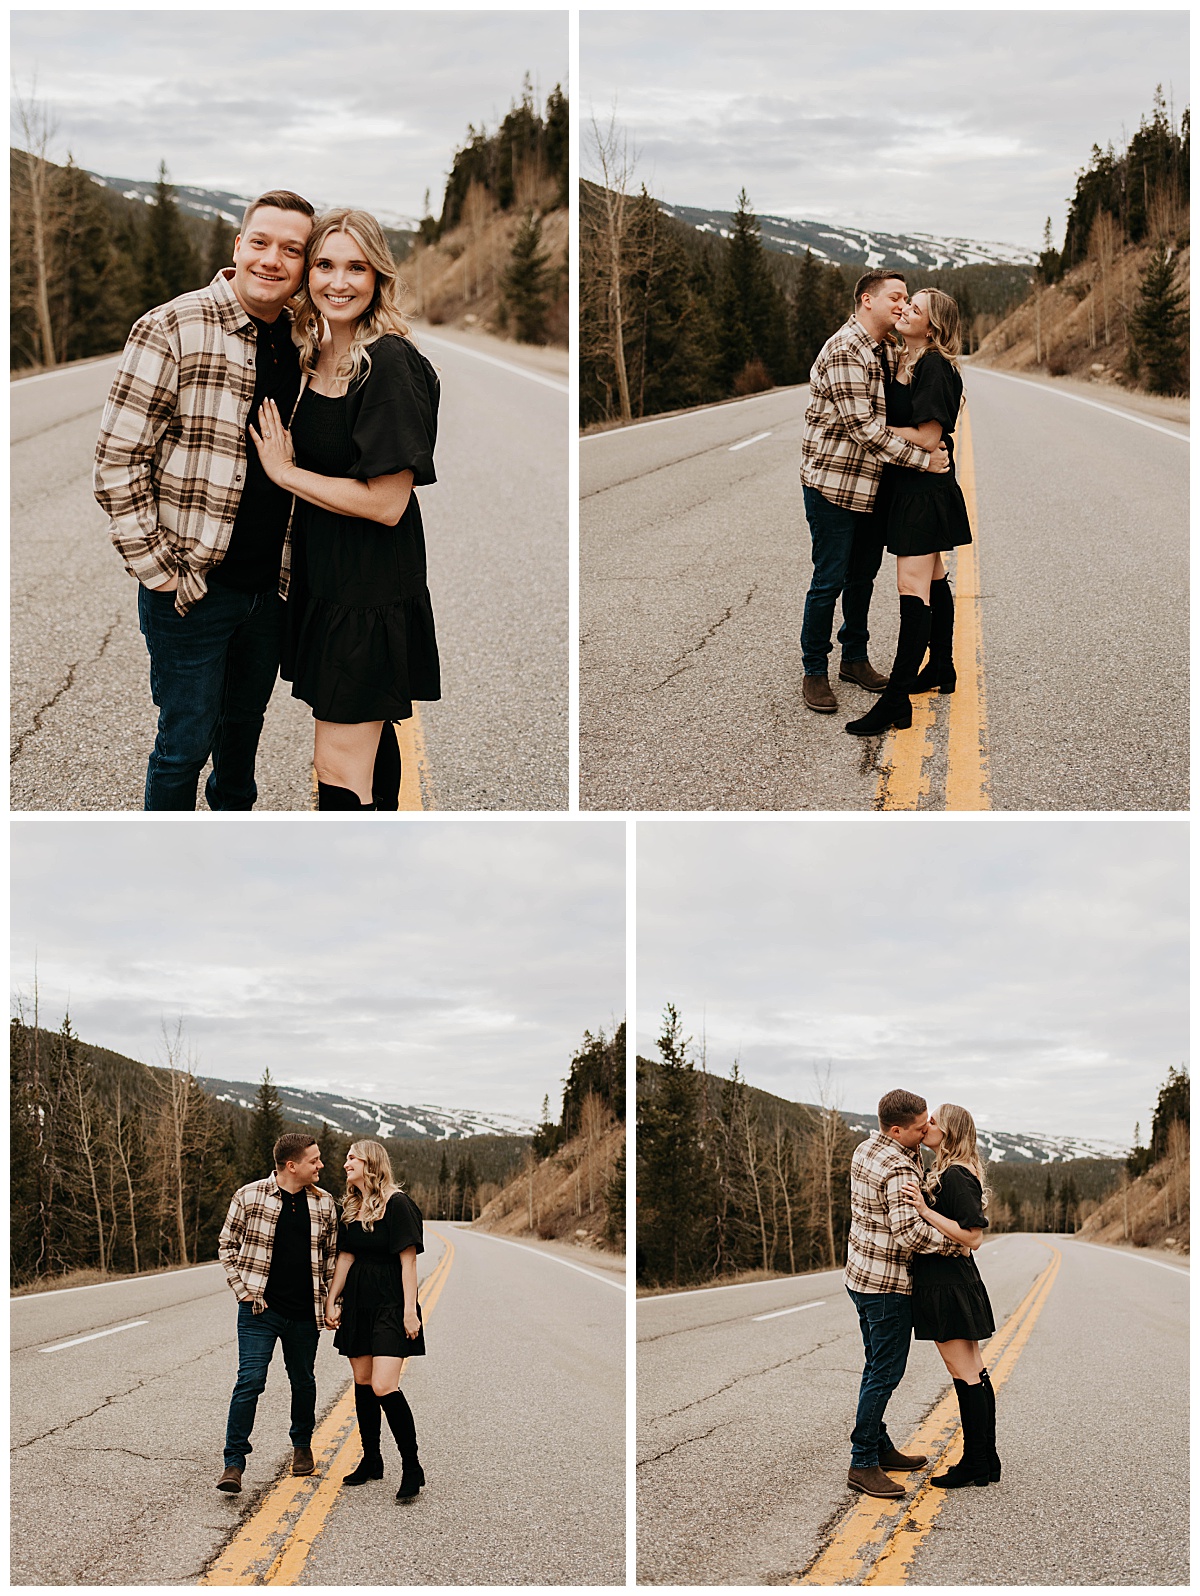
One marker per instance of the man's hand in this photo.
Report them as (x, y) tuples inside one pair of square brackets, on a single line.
[(939, 460), (167, 587)]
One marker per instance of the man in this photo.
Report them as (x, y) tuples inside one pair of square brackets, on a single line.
[(885, 1230), (194, 516), (278, 1247), (846, 446)]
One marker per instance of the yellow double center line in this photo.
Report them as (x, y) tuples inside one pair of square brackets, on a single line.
[(875, 1542), (904, 780), (273, 1546)]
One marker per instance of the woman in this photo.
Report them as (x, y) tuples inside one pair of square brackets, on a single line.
[(374, 1309), (922, 512), (359, 644), (949, 1301)]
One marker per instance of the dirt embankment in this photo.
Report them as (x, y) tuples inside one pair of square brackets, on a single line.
[(1152, 1211), (562, 1197), (1079, 327)]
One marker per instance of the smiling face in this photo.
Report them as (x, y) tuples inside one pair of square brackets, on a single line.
[(354, 1167), (880, 309), (914, 323), (268, 260), (341, 280), (308, 1166)]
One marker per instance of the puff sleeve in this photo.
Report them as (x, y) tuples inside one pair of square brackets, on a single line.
[(395, 425)]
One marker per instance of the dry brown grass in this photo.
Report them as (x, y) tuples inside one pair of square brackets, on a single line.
[(91, 1277), (1152, 1211), (561, 1198)]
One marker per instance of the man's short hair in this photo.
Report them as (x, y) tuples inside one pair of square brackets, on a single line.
[(900, 1108), (290, 1145), (868, 282), (277, 199)]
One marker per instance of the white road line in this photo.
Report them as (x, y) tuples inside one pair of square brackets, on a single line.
[(59, 1346), (505, 365), (64, 371), (684, 415), (746, 442), (100, 1285), (779, 1312), (1080, 400), (739, 1285), (504, 1242), (1135, 1256)]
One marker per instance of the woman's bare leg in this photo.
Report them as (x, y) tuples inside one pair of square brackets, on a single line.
[(962, 1359), (385, 1375), (914, 572), (344, 755)]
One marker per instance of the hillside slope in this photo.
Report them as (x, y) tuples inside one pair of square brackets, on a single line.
[(1152, 1211), (565, 1197)]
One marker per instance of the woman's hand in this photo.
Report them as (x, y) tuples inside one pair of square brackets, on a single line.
[(916, 1197), (274, 443), (412, 1325), (333, 1315)]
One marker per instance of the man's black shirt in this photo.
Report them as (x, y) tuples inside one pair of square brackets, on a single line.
[(255, 552), (290, 1279)]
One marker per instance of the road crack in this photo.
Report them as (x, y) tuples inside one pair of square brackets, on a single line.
[(687, 659), (66, 686), (117, 1396), (688, 1440), (752, 1374)]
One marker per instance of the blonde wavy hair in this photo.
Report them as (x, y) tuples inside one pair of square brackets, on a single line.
[(944, 324), (378, 1185), (959, 1146), (383, 315)]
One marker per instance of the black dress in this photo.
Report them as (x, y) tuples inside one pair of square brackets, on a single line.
[(373, 1297), (949, 1299), (359, 642), (923, 512)]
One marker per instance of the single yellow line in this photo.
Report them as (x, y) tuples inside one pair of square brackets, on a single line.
[(273, 1545), (967, 753), (904, 780), (875, 1532)]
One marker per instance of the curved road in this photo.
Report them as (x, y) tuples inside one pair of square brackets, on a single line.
[(497, 533), (746, 1399), (694, 562), (520, 1406)]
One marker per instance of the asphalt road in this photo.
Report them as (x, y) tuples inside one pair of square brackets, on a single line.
[(116, 1442), (743, 1428), (694, 562), (497, 535)]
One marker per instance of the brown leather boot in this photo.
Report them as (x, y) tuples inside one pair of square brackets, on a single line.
[(818, 695), (231, 1480), (302, 1460), (864, 673), (874, 1482)]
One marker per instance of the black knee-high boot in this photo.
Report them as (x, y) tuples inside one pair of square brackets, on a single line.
[(400, 1421), (338, 798), (893, 708), (990, 1436), (366, 1408), (939, 675), (974, 1468), (385, 782)]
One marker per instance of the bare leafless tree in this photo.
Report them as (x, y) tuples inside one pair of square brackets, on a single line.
[(176, 1085), (614, 166), (33, 202)]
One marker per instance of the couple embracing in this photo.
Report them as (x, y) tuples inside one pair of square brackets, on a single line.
[(910, 1271), (257, 459), (878, 472)]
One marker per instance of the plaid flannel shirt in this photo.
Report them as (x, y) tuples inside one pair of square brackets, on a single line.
[(846, 439), (171, 457), (248, 1236), (885, 1228)]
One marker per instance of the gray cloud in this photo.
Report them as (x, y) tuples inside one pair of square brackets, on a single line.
[(455, 963), (349, 107), (1035, 971), (957, 122)]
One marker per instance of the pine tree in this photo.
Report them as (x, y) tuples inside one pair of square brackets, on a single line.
[(1174, 1103), (220, 247), (169, 265), (1159, 325), (266, 1127), (525, 282), (810, 315), (673, 1176)]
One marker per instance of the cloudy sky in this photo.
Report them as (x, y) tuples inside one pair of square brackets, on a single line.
[(1035, 972), (347, 107), (449, 963), (968, 123)]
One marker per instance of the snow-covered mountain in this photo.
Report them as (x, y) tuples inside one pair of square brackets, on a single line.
[(207, 203), (1009, 1147), (837, 245), (361, 1116)]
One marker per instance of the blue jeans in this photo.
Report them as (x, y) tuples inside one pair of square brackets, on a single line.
[(257, 1335), (211, 675), (885, 1318), (847, 551)]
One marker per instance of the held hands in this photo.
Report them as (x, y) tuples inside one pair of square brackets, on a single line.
[(274, 443), (333, 1315), (939, 460)]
